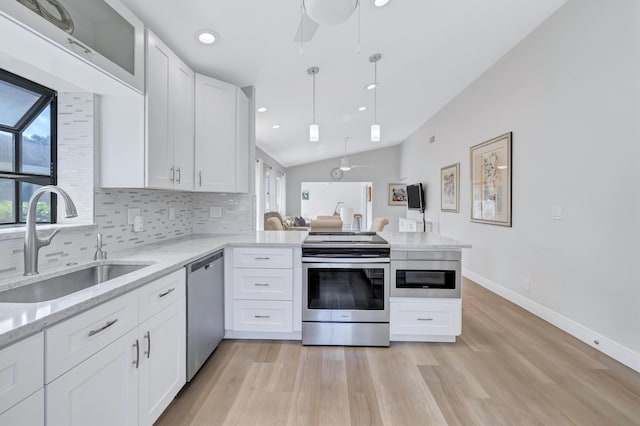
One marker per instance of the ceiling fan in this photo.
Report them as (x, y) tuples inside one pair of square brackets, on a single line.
[(345, 164), (322, 12)]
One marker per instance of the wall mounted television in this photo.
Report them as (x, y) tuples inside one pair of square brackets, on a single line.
[(415, 197)]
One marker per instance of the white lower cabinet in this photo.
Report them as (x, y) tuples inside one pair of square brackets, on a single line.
[(103, 390), (29, 412), (425, 319), (263, 315), (163, 360), (131, 379)]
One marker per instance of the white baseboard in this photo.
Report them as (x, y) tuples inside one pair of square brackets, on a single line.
[(605, 345)]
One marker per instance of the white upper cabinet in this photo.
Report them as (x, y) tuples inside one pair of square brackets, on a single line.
[(222, 137), (169, 100), (102, 32)]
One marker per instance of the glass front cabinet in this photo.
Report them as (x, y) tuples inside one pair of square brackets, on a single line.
[(102, 32)]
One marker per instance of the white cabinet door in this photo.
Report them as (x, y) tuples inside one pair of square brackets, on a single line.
[(182, 108), (21, 370), (159, 146), (163, 360), (103, 390), (242, 156), (216, 148), (29, 412)]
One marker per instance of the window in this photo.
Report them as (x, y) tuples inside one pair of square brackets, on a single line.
[(27, 148)]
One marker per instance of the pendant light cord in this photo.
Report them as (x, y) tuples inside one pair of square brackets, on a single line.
[(375, 92), (314, 98)]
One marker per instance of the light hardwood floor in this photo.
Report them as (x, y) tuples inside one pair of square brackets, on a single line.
[(508, 368)]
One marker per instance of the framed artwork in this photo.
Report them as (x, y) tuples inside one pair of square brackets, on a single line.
[(450, 188), (397, 194), (491, 181)]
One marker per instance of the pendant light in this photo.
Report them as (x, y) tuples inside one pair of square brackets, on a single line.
[(375, 127), (314, 130)]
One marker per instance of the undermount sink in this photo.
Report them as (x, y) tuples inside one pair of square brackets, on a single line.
[(63, 285)]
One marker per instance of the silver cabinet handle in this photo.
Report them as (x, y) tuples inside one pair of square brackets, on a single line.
[(200, 178), (166, 292), (262, 258), (261, 284), (147, 336), (103, 328), (179, 173), (82, 46), (262, 316), (425, 319), (172, 174), (137, 346)]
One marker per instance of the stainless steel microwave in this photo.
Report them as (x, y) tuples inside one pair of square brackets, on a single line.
[(425, 274)]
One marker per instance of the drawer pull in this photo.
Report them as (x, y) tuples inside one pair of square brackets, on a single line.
[(262, 258), (425, 319), (104, 327), (137, 360), (261, 284), (147, 336), (262, 316), (166, 292)]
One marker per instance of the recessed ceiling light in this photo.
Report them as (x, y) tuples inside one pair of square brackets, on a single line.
[(371, 86), (275, 126), (262, 109), (362, 108), (207, 37), (380, 3)]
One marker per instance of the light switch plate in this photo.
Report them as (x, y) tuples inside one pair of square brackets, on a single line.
[(215, 211), (172, 213), (131, 215)]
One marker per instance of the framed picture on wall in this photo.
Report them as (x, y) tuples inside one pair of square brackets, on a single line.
[(450, 188), (491, 181), (397, 194)]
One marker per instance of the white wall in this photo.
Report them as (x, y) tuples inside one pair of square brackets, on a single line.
[(570, 93), (325, 196), (382, 168)]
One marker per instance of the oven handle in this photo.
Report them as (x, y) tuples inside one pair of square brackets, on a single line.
[(345, 260)]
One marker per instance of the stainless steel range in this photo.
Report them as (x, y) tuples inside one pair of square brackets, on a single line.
[(345, 289)]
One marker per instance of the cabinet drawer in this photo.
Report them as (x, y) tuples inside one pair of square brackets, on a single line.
[(262, 315), (21, 370), (76, 339), (427, 317), (264, 284), (249, 257), (161, 293)]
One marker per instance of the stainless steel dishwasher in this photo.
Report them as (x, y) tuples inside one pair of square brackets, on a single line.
[(205, 309)]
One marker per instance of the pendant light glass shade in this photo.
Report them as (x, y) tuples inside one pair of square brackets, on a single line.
[(314, 133), (375, 133), (314, 129), (375, 127)]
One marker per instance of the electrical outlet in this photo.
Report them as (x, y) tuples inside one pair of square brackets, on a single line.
[(557, 213), (215, 211), (172, 213), (131, 215), (526, 284)]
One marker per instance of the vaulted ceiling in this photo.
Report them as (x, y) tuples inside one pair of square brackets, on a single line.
[(431, 50)]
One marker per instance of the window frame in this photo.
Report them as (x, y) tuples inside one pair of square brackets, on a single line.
[(49, 98)]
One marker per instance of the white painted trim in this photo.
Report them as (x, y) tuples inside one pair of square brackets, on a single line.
[(605, 345), (421, 338), (262, 335)]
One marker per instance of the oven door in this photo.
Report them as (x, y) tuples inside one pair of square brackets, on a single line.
[(345, 292), (425, 278)]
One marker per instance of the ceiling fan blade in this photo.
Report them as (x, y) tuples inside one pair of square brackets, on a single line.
[(306, 29)]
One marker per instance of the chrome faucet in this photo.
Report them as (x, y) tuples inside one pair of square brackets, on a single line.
[(335, 211), (100, 254), (31, 241)]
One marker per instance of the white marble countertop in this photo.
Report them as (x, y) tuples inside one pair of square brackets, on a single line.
[(19, 320)]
